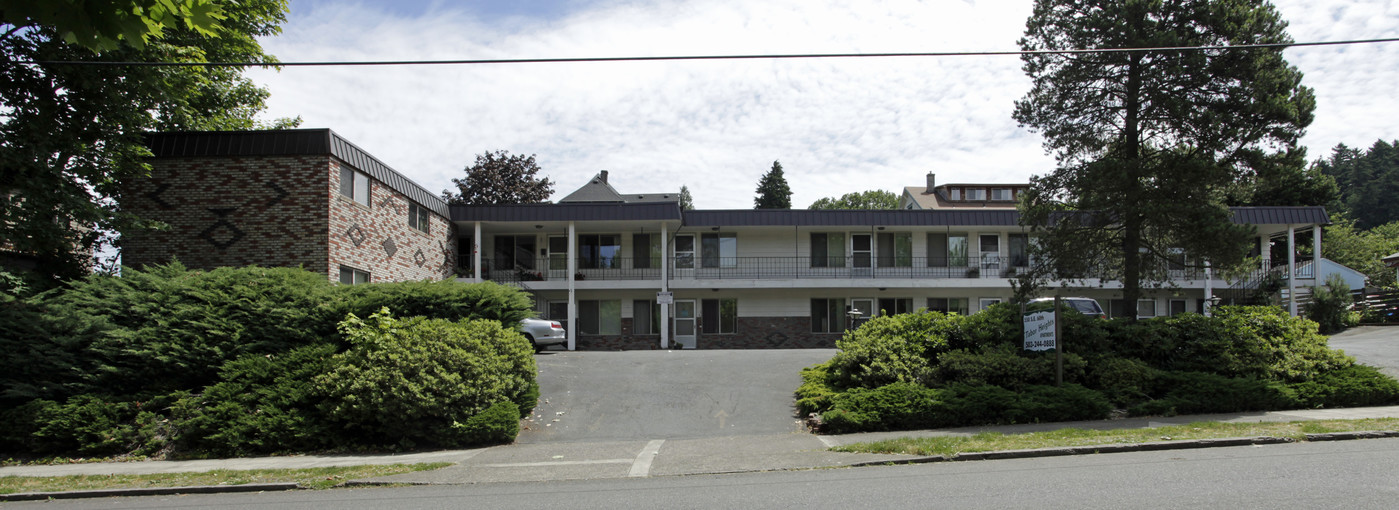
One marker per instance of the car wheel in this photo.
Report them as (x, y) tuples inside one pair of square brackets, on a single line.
[(537, 348)]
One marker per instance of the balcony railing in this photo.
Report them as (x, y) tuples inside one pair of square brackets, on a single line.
[(767, 268)]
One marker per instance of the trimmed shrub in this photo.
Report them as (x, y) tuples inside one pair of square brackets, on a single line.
[(1125, 381), (814, 395), (1270, 344), (1070, 402), (499, 423), (409, 381), (445, 299), (1004, 365), (1353, 386), (1199, 392), (264, 404), (895, 406), (998, 324), (888, 349), (86, 425)]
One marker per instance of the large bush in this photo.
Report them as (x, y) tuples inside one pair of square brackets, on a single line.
[(1330, 306), (416, 380), (888, 349)]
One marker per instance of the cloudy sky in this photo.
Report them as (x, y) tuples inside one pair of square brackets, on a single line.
[(837, 125)]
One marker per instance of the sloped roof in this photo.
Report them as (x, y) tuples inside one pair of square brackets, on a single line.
[(597, 190), (289, 142)]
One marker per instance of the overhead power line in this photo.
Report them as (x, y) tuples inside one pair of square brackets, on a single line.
[(700, 57)]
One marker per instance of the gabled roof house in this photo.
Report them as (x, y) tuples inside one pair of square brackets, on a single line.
[(627, 270)]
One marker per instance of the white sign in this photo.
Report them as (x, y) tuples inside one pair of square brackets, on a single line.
[(1039, 330), (665, 298)]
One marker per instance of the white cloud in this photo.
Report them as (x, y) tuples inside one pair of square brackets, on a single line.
[(837, 125)]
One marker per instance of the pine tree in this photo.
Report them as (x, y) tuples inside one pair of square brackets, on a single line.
[(773, 192), (687, 203)]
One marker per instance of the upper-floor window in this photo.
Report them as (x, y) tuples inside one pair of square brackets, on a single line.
[(955, 194), (1000, 194), (828, 249), (976, 194), (719, 250), (355, 185), (600, 251), (418, 217)]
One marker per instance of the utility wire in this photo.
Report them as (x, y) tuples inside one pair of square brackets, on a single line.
[(698, 57)]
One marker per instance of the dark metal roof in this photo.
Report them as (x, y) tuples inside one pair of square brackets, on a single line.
[(289, 142), (1280, 215), (835, 218), (567, 212)]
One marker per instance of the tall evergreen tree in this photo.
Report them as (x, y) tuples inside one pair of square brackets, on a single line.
[(773, 192), (1368, 181), (687, 202), (1148, 142)]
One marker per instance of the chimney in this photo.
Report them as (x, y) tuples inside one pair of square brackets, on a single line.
[(932, 183), (603, 174)]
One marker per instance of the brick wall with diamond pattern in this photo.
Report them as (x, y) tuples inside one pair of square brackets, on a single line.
[(279, 211)]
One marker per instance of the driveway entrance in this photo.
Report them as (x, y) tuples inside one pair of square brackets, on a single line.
[(627, 395)]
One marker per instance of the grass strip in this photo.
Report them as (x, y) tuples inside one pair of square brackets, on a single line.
[(311, 478), (996, 441)]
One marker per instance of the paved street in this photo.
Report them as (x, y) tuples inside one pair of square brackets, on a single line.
[(1377, 346), (1349, 474), (652, 395)]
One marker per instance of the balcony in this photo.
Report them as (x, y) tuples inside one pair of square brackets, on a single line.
[(747, 268)]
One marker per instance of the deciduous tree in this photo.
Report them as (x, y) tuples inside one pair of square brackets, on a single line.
[(1148, 141), (500, 178), (872, 199), (72, 134)]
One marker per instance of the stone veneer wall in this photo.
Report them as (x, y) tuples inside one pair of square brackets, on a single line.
[(378, 239), (231, 211), (753, 333)]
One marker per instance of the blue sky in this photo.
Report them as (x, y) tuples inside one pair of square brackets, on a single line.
[(836, 125)]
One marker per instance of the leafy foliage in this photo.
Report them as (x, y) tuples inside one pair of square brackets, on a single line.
[(888, 349), (70, 137), (1148, 142), (500, 178), (1362, 250), (872, 199), (773, 192), (406, 381), (1330, 306)]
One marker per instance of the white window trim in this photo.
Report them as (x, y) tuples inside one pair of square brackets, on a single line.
[(1153, 308)]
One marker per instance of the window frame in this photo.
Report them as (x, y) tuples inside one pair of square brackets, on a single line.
[(976, 194), (418, 218), (590, 314), (354, 275), (1009, 195), (821, 246), (727, 321), (358, 189), (825, 322)]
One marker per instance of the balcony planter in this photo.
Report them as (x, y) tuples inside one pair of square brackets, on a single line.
[(580, 276), (974, 272)]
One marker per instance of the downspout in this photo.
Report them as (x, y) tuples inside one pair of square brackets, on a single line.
[(572, 292), (665, 286)]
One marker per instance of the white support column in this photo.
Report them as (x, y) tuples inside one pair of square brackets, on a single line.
[(1292, 270), (1209, 289), (572, 293), (1316, 256), (665, 286), (1265, 252), (476, 254)]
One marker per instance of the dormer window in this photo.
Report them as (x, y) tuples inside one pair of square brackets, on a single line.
[(955, 194), (1002, 194), (976, 194)]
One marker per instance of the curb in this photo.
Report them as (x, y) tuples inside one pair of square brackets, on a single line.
[(1343, 436), (149, 491), (1064, 451)]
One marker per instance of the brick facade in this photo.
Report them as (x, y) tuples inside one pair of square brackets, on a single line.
[(279, 211)]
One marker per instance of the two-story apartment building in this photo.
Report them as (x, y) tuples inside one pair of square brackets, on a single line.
[(623, 271)]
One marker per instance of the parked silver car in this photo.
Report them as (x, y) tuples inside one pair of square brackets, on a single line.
[(1086, 306), (543, 333)]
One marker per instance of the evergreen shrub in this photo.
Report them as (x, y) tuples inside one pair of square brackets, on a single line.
[(888, 349)]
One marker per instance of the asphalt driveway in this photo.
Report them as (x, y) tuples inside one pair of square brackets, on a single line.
[(651, 395), (1377, 346)]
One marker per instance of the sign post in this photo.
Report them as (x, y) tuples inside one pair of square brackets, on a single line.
[(1042, 333)]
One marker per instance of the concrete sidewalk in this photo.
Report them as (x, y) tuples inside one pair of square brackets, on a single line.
[(652, 457)]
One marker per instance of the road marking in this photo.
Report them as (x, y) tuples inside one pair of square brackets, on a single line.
[(642, 466), (829, 441), (722, 416), (561, 463)]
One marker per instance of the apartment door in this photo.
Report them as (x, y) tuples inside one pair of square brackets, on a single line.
[(685, 328), (861, 254), (558, 257)]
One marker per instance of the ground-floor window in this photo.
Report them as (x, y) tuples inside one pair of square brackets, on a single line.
[(948, 305), (720, 316), (351, 276), (646, 317), (1177, 307), (1146, 308), (895, 306), (986, 302), (600, 317), (827, 315)]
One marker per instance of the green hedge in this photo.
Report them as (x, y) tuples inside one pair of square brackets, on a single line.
[(931, 369), (223, 362)]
